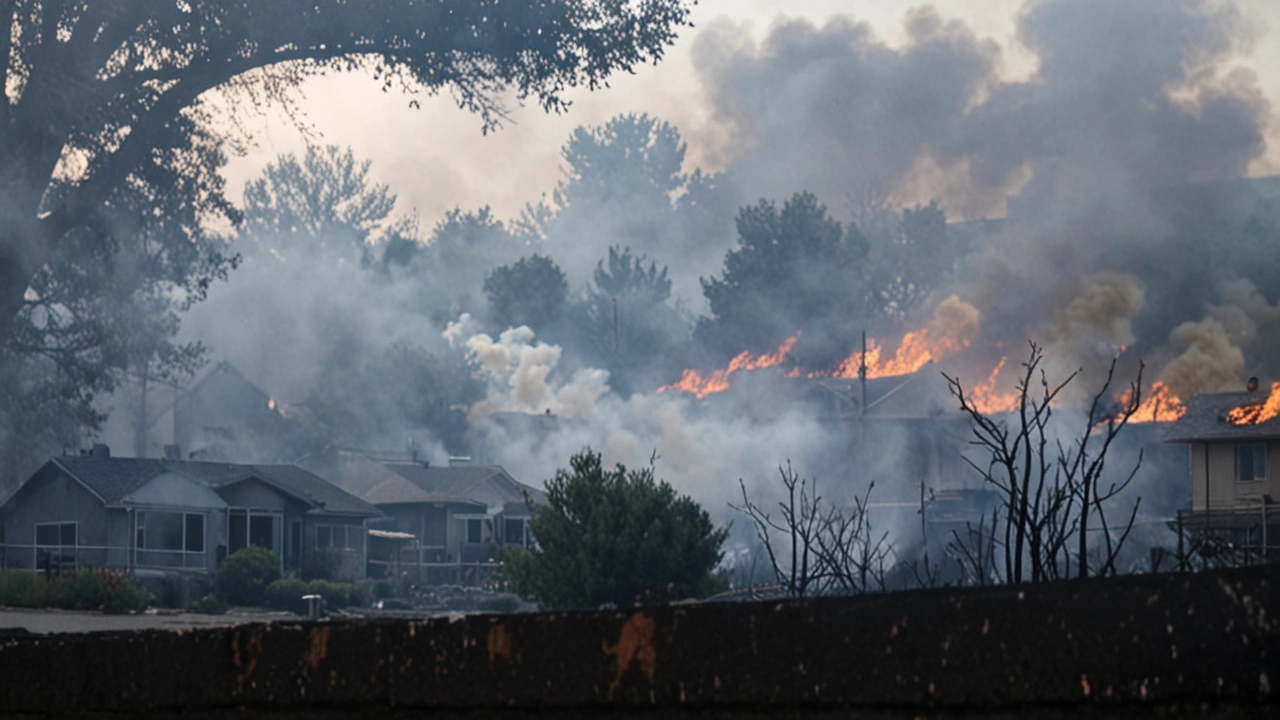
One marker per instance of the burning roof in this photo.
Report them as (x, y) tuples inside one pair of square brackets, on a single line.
[(1229, 416)]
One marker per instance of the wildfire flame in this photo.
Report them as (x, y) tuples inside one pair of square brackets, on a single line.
[(1160, 405), (987, 399), (694, 382), (1257, 413)]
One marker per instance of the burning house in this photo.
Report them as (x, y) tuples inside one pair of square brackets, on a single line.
[(1233, 442)]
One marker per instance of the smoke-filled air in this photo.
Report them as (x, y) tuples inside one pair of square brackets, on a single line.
[(880, 218)]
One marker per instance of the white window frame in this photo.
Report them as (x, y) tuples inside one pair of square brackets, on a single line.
[(1255, 448), (37, 546), (466, 519), (187, 558), (349, 532)]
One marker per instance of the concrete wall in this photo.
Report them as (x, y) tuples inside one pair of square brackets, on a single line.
[(1207, 645)]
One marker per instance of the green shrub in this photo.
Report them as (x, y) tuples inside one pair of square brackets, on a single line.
[(87, 589), (286, 594), (383, 589), (245, 574), (336, 595), (501, 604), (209, 605), (180, 590), (321, 563), (20, 588), (122, 593)]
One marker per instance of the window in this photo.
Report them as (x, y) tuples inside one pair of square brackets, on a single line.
[(513, 531), (56, 534), (254, 527), (169, 539), (1251, 462), (56, 545), (475, 531), (339, 537)]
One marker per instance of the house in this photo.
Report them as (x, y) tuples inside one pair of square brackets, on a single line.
[(456, 514), (224, 416), (167, 515), (1234, 479)]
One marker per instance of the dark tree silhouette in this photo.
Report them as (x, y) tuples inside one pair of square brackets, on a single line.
[(615, 536), (98, 92), (1053, 494), (795, 268), (531, 292)]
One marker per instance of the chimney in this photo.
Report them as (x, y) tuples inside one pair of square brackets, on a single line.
[(457, 460), (173, 452), (100, 450)]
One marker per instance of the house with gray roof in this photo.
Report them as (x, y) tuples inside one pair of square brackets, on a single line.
[(163, 515), (457, 513), (1234, 471)]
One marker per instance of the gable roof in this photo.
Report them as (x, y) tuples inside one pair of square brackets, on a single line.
[(112, 479), (1206, 420), (487, 485)]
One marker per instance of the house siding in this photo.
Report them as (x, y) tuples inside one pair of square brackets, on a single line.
[(1223, 490), (59, 498)]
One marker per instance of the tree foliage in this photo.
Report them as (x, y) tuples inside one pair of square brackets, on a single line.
[(448, 270), (531, 292), (628, 324), (108, 140), (615, 536), (624, 185), (318, 204), (795, 269), (380, 397)]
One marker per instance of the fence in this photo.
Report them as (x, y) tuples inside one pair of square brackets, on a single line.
[(64, 559), (1229, 537)]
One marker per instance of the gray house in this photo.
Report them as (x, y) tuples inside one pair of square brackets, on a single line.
[(451, 515), (165, 515)]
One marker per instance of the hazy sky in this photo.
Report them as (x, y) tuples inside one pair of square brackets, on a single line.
[(436, 158)]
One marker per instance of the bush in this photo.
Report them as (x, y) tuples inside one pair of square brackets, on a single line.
[(180, 590), (19, 588), (501, 604), (242, 578), (286, 594), (106, 590), (321, 563), (614, 536), (209, 605), (122, 593)]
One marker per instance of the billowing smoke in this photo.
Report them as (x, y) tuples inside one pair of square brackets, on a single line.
[(520, 369), (1131, 119), (700, 450)]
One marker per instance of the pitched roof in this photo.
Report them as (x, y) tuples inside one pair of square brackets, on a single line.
[(112, 478), (487, 485), (1206, 419)]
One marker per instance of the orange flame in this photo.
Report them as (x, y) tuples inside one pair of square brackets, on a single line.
[(987, 399), (1257, 413), (1160, 405), (915, 351), (692, 381)]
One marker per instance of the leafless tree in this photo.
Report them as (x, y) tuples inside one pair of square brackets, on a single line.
[(816, 548), (1052, 490)]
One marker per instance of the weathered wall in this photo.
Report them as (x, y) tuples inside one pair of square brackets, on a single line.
[(1203, 644)]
